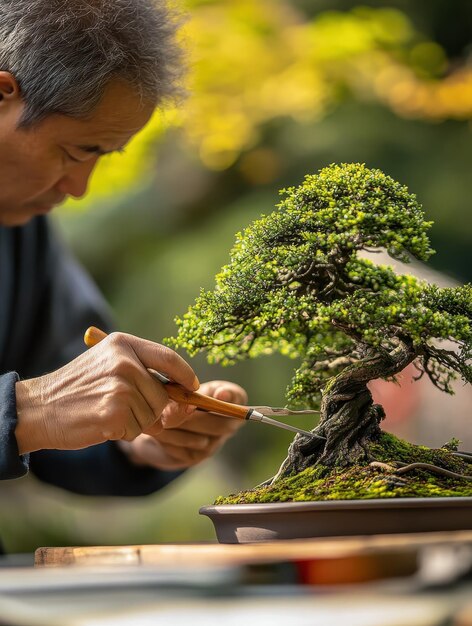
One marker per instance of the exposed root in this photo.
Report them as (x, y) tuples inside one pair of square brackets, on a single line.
[(282, 471), (430, 468), (465, 456), (382, 467)]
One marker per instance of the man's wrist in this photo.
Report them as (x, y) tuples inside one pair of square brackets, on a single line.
[(30, 430)]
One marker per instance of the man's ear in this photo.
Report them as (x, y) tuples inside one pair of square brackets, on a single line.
[(9, 89)]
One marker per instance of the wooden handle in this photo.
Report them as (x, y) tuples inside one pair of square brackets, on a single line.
[(93, 336), (178, 392)]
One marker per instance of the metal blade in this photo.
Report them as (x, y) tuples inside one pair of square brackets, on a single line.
[(258, 417), (281, 411), (162, 378)]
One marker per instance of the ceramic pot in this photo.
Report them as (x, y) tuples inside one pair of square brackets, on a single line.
[(247, 523)]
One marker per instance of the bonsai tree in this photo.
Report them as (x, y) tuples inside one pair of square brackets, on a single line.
[(297, 285)]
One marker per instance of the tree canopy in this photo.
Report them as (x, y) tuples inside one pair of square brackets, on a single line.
[(297, 285)]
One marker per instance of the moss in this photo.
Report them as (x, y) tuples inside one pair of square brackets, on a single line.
[(390, 448), (362, 482)]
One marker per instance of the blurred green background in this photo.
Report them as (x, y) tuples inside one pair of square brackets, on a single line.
[(277, 89)]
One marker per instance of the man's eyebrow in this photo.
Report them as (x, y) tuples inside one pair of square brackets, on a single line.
[(98, 150)]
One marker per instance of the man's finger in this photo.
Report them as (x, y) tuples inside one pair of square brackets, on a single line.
[(175, 415), (185, 439), (162, 359), (211, 424), (180, 454), (146, 414), (224, 390), (153, 393)]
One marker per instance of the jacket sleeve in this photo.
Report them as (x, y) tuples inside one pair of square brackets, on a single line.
[(101, 470), (12, 465), (66, 303)]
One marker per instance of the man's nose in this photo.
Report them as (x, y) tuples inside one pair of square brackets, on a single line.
[(75, 181)]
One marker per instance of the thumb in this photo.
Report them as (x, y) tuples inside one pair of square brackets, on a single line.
[(223, 393)]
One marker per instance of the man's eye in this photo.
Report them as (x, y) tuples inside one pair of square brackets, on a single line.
[(70, 157)]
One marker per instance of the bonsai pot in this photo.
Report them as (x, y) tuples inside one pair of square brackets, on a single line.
[(248, 523)]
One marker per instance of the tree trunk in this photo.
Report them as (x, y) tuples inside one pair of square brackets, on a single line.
[(349, 418)]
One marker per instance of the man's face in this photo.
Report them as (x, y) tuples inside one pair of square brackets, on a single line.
[(40, 166)]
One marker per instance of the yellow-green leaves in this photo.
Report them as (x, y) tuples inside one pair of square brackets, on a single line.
[(295, 285)]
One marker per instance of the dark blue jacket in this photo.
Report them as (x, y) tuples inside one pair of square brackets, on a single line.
[(46, 303)]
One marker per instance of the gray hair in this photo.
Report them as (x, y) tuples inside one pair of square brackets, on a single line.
[(63, 53)]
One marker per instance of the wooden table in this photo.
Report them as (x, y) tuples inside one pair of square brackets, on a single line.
[(205, 584), (320, 561)]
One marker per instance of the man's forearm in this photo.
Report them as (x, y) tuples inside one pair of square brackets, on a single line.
[(30, 430)]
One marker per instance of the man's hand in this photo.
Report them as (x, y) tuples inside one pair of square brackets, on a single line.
[(184, 436), (104, 394)]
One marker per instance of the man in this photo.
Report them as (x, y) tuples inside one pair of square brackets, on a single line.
[(78, 78)]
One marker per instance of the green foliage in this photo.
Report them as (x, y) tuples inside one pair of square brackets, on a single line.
[(295, 284), (239, 55)]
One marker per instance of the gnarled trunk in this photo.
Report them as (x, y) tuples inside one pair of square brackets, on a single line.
[(349, 417)]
